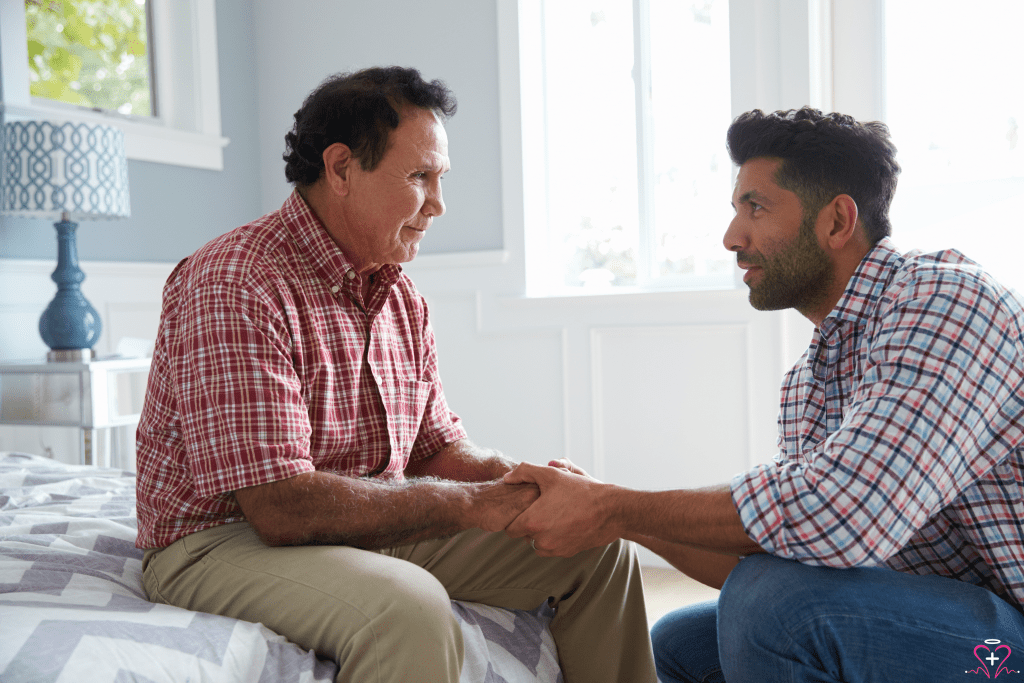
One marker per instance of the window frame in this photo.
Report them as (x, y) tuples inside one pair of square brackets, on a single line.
[(781, 57), (187, 128)]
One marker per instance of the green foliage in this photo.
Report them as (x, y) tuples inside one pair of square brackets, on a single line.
[(90, 52)]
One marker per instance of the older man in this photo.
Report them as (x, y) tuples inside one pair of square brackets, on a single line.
[(298, 464), (885, 542)]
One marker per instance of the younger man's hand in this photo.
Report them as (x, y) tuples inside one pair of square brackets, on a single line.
[(571, 514)]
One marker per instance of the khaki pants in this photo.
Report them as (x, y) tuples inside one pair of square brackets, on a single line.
[(385, 616)]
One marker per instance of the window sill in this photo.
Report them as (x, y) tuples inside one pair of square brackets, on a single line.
[(144, 141), (624, 294), (442, 266), (668, 286), (645, 308)]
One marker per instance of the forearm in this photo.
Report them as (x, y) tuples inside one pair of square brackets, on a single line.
[(707, 567), (323, 508), (703, 519), (576, 512), (462, 461)]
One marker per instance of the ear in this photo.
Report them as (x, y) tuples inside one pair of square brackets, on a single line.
[(338, 161), (839, 221)]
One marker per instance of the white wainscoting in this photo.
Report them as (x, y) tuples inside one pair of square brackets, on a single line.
[(627, 386), (126, 295), (661, 415), (655, 391)]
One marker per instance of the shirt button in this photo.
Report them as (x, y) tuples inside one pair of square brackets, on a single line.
[(351, 275), (335, 289)]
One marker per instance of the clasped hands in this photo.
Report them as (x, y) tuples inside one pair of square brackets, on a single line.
[(568, 512)]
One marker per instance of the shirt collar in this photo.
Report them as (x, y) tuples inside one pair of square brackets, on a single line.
[(874, 273), (326, 258)]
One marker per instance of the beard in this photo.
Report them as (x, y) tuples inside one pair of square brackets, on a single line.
[(794, 275)]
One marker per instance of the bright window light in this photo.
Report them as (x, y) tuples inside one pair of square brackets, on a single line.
[(955, 118), (627, 108)]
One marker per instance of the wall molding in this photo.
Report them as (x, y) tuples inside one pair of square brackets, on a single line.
[(109, 268)]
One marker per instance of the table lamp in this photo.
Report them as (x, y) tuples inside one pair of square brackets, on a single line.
[(69, 172)]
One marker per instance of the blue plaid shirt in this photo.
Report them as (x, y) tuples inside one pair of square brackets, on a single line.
[(901, 432)]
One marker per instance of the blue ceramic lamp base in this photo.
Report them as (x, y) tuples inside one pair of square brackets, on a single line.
[(69, 325)]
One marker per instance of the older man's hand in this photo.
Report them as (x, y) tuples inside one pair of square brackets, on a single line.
[(494, 505), (573, 512)]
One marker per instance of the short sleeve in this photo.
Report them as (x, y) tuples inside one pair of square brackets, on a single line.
[(241, 404)]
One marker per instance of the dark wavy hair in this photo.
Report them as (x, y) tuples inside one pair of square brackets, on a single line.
[(359, 109), (823, 156)]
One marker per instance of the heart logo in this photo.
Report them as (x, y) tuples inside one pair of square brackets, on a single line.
[(992, 658)]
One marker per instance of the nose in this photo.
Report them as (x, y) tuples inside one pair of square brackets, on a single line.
[(433, 204), (733, 239)]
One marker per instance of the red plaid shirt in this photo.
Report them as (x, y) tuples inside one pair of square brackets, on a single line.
[(268, 364), (902, 429)]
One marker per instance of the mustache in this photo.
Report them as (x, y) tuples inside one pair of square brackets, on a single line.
[(750, 258)]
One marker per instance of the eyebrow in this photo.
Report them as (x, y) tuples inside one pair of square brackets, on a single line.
[(436, 166), (749, 195)]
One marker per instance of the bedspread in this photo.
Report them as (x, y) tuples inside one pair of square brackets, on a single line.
[(72, 606)]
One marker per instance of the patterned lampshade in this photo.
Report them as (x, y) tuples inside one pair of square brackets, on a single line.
[(51, 168), (70, 172)]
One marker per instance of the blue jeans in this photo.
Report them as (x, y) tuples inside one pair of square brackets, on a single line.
[(778, 620)]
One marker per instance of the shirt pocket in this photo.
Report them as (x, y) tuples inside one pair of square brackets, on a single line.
[(406, 405)]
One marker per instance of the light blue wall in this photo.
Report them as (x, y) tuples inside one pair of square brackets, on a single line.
[(455, 41), (175, 210)]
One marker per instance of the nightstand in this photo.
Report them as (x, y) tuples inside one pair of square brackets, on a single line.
[(97, 396)]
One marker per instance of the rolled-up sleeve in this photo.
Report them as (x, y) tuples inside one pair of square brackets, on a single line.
[(936, 404)]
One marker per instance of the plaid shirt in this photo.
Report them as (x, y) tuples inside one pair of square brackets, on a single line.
[(268, 364), (901, 431)]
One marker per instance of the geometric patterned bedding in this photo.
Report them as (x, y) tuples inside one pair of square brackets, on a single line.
[(72, 606)]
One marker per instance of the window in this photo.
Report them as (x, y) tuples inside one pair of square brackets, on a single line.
[(91, 53), (626, 182), (182, 49), (630, 101)]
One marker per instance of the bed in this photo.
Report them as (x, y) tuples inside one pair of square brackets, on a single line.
[(72, 606)]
